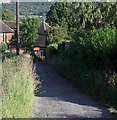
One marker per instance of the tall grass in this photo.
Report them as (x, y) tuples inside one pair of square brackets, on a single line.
[(18, 84)]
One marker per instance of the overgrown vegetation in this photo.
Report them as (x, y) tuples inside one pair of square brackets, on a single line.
[(18, 84), (5, 52), (29, 33), (89, 67), (90, 63), (3, 47)]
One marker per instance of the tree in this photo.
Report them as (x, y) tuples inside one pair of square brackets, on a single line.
[(7, 14), (56, 35), (82, 15), (59, 14), (29, 32)]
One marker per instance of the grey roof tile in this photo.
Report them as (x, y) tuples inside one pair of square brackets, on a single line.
[(5, 28), (41, 41)]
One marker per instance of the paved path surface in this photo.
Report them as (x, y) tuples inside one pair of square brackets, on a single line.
[(56, 98)]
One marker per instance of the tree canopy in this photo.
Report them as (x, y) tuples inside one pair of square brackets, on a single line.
[(80, 17), (56, 35), (90, 61), (7, 14), (29, 32), (83, 14)]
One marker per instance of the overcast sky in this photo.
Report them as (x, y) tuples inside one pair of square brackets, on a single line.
[(4, 1), (7, 1)]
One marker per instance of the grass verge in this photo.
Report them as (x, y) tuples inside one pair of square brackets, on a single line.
[(18, 84)]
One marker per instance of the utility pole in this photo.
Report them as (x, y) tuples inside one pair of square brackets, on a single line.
[(17, 27)]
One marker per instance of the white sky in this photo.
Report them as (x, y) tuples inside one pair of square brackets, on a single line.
[(7, 1)]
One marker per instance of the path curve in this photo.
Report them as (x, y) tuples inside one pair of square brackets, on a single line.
[(57, 98)]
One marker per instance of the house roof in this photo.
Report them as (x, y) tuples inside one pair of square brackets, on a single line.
[(41, 41), (11, 24), (5, 28)]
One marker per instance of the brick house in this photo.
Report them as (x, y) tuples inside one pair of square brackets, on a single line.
[(6, 32), (12, 44), (40, 44)]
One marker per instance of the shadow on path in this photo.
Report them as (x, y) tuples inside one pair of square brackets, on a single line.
[(57, 93)]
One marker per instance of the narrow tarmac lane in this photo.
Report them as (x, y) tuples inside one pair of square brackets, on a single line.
[(57, 98)]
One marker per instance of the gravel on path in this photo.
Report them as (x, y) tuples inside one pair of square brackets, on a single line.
[(57, 98)]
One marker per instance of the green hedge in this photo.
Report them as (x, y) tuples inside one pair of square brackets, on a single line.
[(88, 64), (101, 44)]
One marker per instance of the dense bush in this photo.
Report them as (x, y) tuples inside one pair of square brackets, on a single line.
[(88, 64), (7, 54), (51, 51), (101, 44), (91, 61), (99, 83), (17, 87), (4, 47)]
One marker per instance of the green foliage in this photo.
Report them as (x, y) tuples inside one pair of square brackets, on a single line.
[(37, 57), (26, 8), (59, 13), (109, 13), (8, 14), (76, 66), (56, 35), (82, 14), (17, 87), (102, 44), (29, 33), (91, 61), (103, 39), (8, 55), (90, 64), (4, 47), (51, 51)]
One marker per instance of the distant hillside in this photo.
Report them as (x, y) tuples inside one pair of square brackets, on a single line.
[(30, 8)]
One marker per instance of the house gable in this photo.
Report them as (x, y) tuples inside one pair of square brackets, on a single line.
[(41, 41), (6, 32)]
